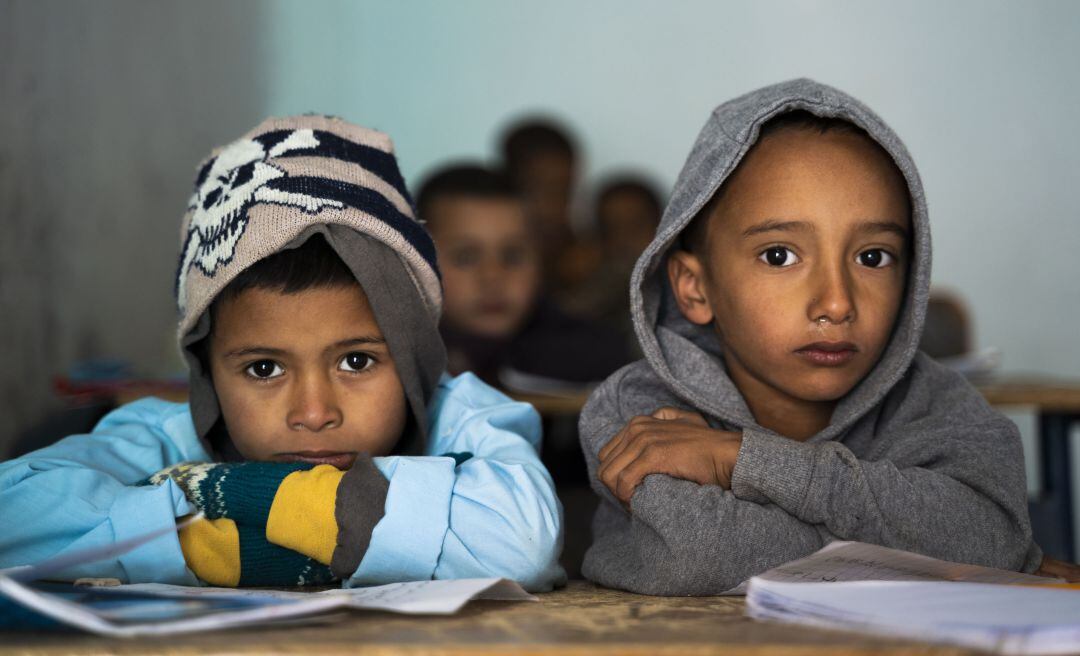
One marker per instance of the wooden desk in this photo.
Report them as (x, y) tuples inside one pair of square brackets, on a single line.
[(581, 619), (1057, 404)]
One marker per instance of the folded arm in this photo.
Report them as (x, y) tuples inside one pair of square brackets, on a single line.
[(494, 514), (960, 497), (679, 537), (80, 493)]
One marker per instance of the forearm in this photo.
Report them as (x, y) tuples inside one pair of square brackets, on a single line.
[(483, 518), (910, 508), (47, 513), (681, 538)]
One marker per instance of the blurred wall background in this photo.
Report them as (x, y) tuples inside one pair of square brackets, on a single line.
[(106, 109), (984, 93), (108, 106)]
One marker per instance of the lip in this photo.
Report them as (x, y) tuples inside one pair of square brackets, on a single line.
[(340, 459), (493, 307), (828, 354)]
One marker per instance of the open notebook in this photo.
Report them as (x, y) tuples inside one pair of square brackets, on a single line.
[(871, 589)]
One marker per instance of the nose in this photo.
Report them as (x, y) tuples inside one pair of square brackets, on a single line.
[(833, 299), (314, 405), (492, 271)]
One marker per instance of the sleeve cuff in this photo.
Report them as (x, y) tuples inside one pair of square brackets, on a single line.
[(773, 469), (406, 543), (141, 510), (360, 504)]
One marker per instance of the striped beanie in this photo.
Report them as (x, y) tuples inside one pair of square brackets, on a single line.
[(282, 183), (283, 177)]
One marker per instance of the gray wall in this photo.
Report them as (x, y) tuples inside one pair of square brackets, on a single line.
[(107, 108)]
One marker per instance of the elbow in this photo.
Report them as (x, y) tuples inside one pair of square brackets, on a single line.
[(659, 572), (536, 566), (533, 548), (690, 576), (517, 533)]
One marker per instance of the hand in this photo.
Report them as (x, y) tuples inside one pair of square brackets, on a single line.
[(1059, 568), (671, 441)]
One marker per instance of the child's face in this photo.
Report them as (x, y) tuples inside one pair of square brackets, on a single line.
[(305, 376), (547, 182), (628, 222), (489, 262), (806, 254)]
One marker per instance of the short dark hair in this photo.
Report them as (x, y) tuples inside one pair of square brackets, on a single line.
[(532, 136), (463, 180), (314, 264), (693, 236), (629, 184)]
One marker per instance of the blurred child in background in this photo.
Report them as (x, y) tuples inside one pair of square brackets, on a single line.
[(627, 211), (497, 322)]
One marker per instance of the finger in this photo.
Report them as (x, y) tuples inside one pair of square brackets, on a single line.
[(620, 461), (632, 428), (609, 477), (605, 471), (612, 443), (609, 470), (669, 413), (632, 475)]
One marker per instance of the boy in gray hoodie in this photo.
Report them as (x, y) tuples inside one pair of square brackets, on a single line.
[(782, 403)]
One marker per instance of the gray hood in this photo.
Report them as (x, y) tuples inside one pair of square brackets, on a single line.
[(684, 355)]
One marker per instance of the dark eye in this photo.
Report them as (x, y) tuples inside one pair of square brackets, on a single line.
[(513, 257), (264, 369), (875, 258), (778, 256), (465, 257), (356, 362)]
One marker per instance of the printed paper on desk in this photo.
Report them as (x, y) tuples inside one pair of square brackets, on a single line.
[(444, 597), (858, 561), (159, 609)]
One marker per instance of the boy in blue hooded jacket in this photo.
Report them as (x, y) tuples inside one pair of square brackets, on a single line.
[(323, 440)]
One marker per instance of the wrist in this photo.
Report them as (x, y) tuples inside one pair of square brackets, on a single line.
[(725, 455)]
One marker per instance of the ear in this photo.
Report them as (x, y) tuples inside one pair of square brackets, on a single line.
[(686, 273)]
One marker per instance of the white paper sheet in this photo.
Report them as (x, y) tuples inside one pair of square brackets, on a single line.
[(858, 561), (1008, 619)]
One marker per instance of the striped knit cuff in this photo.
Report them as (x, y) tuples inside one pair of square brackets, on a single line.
[(244, 492), (266, 564)]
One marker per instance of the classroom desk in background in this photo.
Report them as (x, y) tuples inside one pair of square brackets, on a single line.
[(579, 619), (1055, 402)]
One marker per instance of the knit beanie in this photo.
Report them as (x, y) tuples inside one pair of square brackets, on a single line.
[(282, 183)]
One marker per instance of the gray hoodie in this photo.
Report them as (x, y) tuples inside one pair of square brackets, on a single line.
[(913, 458)]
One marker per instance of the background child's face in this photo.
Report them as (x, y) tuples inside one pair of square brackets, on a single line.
[(305, 376), (490, 264), (547, 180), (807, 245), (628, 223)]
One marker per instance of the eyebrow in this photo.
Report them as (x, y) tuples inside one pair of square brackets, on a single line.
[(276, 352), (866, 227), (782, 226), (872, 227)]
